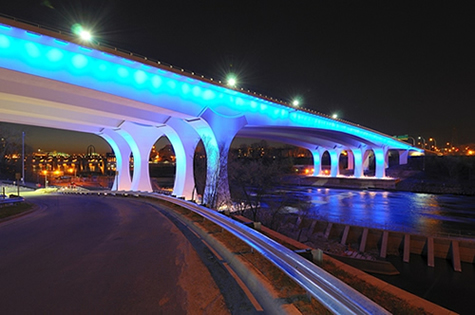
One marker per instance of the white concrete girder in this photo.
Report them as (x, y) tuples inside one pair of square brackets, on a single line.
[(140, 139), (381, 161), (184, 140), (334, 161), (217, 132), (317, 154), (358, 153), (403, 154), (351, 164), (122, 152)]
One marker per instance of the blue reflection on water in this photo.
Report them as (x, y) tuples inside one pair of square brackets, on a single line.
[(395, 211)]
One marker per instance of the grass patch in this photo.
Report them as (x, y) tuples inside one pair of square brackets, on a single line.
[(285, 288), (387, 300), (14, 209)]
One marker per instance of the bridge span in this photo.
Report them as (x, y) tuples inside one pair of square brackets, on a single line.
[(52, 80)]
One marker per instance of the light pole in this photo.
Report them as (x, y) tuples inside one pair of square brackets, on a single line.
[(45, 173), (434, 143), (423, 142)]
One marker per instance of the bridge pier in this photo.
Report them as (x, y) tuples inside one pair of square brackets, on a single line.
[(122, 152), (403, 155), (381, 161), (184, 140), (358, 162), (140, 139), (217, 132), (334, 161), (317, 154)]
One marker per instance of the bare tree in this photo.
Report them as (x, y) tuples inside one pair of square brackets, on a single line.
[(252, 179)]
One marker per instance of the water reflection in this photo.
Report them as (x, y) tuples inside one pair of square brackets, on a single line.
[(396, 211)]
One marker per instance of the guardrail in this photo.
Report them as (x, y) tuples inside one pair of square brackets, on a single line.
[(10, 201), (334, 294)]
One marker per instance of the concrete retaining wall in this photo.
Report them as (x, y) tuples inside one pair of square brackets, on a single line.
[(396, 243)]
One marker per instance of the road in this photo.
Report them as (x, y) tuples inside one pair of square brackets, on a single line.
[(92, 255)]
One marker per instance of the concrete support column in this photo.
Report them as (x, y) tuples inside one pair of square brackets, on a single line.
[(317, 154), (407, 248), (328, 230), (456, 256), (351, 164), (217, 132), (140, 139), (384, 244), (184, 140), (345, 235), (403, 155), (334, 162), (358, 162), (430, 252), (122, 152), (380, 157), (364, 238)]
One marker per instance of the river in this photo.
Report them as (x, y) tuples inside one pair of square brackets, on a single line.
[(443, 215), (416, 213)]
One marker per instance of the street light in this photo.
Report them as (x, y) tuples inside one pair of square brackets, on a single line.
[(83, 34), (423, 142), (295, 102), (231, 81), (435, 143)]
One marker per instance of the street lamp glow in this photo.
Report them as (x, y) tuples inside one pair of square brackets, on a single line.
[(335, 116), (81, 32), (85, 35), (232, 81), (295, 103)]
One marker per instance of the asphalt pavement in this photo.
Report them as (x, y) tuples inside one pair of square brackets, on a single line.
[(98, 255)]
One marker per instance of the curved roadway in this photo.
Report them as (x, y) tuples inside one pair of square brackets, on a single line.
[(331, 292), (90, 255)]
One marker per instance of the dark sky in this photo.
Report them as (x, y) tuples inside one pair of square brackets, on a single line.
[(397, 67)]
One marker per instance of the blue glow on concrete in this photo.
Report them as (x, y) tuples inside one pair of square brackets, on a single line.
[(41, 55), (4, 41), (79, 61), (54, 55), (61, 42), (140, 77), (32, 34), (32, 50)]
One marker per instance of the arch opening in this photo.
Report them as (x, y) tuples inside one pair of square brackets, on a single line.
[(369, 163), (162, 165), (326, 163)]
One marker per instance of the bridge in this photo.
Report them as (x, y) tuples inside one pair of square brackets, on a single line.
[(53, 80)]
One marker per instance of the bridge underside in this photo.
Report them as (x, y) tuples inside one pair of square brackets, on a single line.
[(130, 102), (131, 127)]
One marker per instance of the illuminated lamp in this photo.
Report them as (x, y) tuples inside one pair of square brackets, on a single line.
[(231, 82), (81, 32)]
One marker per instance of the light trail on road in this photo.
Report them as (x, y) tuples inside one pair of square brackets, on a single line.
[(334, 294)]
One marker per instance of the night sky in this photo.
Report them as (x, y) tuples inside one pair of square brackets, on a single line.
[(396, 67)]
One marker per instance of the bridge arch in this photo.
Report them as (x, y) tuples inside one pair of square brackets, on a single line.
[(369, 162)]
